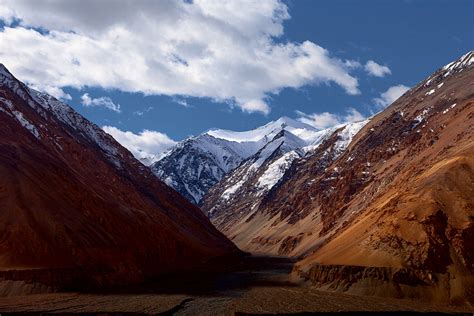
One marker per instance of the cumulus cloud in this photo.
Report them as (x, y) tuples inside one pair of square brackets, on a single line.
[(326, 119), (227, 51), (105, 102), (377, 70), (56, 92), (256, 105), (146, 145), (388, 97)]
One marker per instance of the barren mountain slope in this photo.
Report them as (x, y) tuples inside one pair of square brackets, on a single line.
[(393, 214), (72, 198), (403, 196), (237, 204)]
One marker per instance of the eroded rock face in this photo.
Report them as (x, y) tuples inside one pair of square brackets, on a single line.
[(72, 198), (401, 196), (382, 281)]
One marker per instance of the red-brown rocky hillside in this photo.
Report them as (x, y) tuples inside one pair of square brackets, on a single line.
[(73, 200)]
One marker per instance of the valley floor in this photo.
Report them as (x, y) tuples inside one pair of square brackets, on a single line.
[(259, 285)]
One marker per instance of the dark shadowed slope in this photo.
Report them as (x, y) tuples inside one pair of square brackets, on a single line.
[(72, 197)]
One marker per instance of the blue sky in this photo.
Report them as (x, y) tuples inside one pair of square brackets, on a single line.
[(411, 38)]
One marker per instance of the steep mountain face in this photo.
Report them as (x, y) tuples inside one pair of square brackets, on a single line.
[(237, 205), (246, 177), (393, 214), (407, 189), (196, 164), (72, 199)]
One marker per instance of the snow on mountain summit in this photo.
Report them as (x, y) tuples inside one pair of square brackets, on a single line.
[(247, 186), (436, 80), (459, 64), (304, 131), (195, 164)]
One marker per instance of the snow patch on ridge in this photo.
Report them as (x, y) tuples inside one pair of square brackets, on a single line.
[(44, 104), (275, 171), (451, 107), (70, 117), (10, 110), (430, 92), (347, 134), (232, 189), (458, 65)]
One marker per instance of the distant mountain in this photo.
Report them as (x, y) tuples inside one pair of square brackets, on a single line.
[(196, 164), (390, 212), (265, 133), (241, 193), (78, 208)]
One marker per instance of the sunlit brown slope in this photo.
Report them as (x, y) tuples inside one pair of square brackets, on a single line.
[(72, 197), (396, 207), (404, 195)]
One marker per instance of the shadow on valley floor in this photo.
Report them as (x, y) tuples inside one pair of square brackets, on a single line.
[(247, 286), (361, 314), (239, 276)]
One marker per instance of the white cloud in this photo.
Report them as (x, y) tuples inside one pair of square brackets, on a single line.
[(319, 120), (144, 145), (105, 102), (352, 64), (352, 115), (325, 119), (256, 105), (142, 112), (181, 101), (56, 92), (223, 50), (376, 70), (388, 97)]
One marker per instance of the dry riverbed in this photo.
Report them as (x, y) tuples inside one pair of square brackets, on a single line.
[(260, 286)]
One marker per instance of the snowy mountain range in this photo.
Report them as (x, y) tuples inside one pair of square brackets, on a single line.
[(247, 186), (253, 161), (195, 165)]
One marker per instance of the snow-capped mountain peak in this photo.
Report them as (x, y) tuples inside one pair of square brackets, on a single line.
[(459, 64), (436, 80), (268, 131), (195, 164), (249, 184)]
